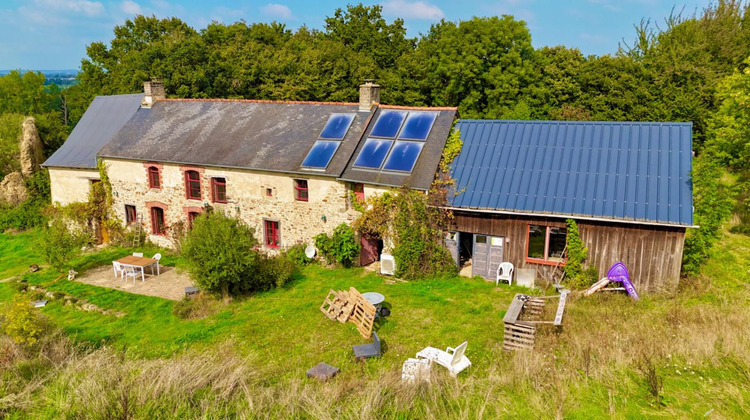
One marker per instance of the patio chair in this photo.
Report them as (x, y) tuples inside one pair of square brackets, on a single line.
[(416, 370), (363, 351), (117, 268), (129, 271), (504, 273), (138, 254), (157, 257), (452, 359)]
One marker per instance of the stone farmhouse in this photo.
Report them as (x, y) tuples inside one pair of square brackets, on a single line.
[(285, 168), (290, 170)]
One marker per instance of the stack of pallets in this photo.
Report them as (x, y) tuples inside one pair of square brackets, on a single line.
[(343, 306)]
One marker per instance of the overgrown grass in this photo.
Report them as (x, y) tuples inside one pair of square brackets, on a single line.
[(249, 358)]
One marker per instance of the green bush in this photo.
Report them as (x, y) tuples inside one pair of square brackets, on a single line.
[(275, 271), (58, 245), (297, 255), (342, 247), (21, 322), (220, 254), (30, 212)]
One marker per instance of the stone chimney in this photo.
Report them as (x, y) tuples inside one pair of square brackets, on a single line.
[(152, 92), (369, 95)]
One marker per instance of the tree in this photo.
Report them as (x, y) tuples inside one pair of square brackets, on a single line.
[(221, 256), (58, 245)]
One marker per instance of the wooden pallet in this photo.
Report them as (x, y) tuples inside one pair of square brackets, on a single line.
[(337, 306), (363, 313), (524, 316), (519, 336)]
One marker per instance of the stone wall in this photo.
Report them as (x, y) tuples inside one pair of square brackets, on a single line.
[(71, 185), (299, 221)]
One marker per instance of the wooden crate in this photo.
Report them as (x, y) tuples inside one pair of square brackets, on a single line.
[(519, 336)]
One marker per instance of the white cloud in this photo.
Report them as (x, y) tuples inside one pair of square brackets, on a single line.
[(131, 7), (277, 11), (86, 7), (412, 10)]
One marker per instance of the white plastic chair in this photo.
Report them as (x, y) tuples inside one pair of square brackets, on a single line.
[(117, 268), (504, 273), (138, 254), (129, 271), (157, 257), (452, 358)]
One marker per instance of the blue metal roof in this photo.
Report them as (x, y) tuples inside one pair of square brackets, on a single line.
[(103, 118), (625, 171)]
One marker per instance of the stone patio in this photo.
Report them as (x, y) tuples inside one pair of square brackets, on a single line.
[(170, 284)]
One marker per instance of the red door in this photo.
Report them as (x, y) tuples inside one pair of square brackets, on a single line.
[(369, 253)]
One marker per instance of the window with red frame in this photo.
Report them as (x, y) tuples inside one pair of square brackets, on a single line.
[(193, 185), (191, 217), (300, 190), (129, 214), (219, 190), (158, 227), (546, 244), (359, 192), (153, 177), (273, 239)]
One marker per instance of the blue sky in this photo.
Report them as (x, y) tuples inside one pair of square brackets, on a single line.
[(53, 34)]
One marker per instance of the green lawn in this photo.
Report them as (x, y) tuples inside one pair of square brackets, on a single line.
[(594, 367)]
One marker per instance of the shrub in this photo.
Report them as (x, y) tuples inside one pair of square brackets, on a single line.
[(30, 212), (58, 245), (275, 271), (220, 254), (21, 322), (297, 255), (576, 276), (342, 247)]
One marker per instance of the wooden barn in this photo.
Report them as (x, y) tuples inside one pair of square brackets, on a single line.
[(626, 184)]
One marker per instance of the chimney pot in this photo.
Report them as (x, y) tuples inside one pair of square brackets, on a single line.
[(152, 91), (369, 95)]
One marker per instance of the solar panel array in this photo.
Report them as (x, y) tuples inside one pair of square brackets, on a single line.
[(396, 140), (322, 151)]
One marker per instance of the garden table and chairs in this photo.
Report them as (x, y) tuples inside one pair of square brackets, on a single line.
[(128, 266)]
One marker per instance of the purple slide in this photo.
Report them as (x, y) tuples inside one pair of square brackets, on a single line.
[(619, 273)]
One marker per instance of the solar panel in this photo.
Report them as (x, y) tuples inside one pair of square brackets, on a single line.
[(403, 156), (373, 153), (418, 125), (320, 154), (337, 126), (388, 124)]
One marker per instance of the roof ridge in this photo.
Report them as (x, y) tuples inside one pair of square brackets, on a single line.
[(257, 101), (436, 108), (477, 120)]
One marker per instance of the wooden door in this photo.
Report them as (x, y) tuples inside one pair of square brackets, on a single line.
[(487, 256), (369, 253), (451, 242)]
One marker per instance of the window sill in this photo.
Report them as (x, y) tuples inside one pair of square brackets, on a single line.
[(544, 262)]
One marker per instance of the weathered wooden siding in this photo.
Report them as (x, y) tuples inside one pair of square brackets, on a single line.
[(653, 254)]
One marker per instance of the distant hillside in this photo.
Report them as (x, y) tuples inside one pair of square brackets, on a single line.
[(62, 78)]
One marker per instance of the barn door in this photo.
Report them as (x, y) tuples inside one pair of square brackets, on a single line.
[(479, 256), (369, 252), (451, 242), (488, 254), (495, 257)]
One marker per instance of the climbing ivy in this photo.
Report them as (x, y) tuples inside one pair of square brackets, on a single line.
[(576, 254)]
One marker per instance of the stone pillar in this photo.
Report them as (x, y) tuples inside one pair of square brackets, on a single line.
[(369, 95), (31, 148)]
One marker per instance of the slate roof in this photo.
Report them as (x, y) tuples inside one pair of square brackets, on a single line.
[(257, 135), (102, 119), (424, 170), (623, 171)]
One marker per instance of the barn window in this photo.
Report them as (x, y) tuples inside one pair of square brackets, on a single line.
[(219, 190), (546, 244), (153, 177), (129, 214), (158, 227), (273, 239), (300, 190), (193, 185)]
